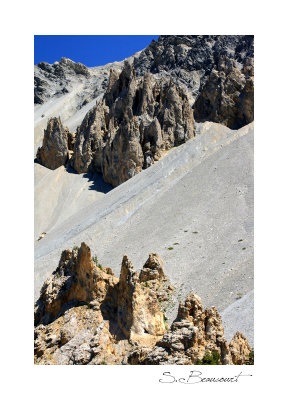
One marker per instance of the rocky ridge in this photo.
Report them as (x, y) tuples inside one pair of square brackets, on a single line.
[(146, 108), (227, 96), (216, 70), (130, 128), (85, 315), (55, 79)]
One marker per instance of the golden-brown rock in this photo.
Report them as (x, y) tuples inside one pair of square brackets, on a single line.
[(85, 315)]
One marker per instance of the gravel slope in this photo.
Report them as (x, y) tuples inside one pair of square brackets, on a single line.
[(203, 186)]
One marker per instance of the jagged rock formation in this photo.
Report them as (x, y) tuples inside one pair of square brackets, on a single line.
[(194, 332), (146, 108), (85, 315), (134, 124), (216, 69), (181, 54), (227, 96), (212, 68), (54, 150)]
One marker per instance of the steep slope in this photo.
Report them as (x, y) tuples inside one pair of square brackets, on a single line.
[(60, 193), (194, 207)]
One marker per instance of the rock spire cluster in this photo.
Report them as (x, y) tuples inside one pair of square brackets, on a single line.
[(85, 315)]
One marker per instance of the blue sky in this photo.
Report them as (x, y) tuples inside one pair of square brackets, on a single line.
[(91, 50)]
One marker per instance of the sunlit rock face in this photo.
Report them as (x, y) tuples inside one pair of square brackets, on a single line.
[(85, 315), (132, 126)]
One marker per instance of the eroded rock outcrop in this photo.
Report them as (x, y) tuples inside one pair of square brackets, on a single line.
[(146, 108), (54, 151), (76, 280), (85, 315), (194, 333), (227, 96), (138, 311), (132, 126)]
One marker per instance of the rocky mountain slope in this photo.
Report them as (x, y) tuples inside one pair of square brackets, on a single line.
[(85, 315), (128, 125), (127, 130), (69, 90), (197, 200)]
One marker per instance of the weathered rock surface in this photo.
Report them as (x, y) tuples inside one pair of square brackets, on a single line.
[(85, 315), (227, 96), (194, 61), (177, 54), (132, 126), (146, 108), (54, 150), (54, 79), (194, 333), (152, 269)]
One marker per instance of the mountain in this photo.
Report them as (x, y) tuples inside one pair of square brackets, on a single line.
[(153, 154)]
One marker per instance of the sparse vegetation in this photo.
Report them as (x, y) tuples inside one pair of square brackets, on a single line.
[(243, 248), (250, 359), (175, 244), (95, 259), (165, 319), (212, 358), (75, 248), (185, 231), (170, 248), (240, 240), (239, 295), (195, 232)]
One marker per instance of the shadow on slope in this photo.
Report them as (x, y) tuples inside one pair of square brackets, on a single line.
[(97, 182)]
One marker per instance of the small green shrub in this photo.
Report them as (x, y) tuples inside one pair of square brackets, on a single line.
[(165, 319), (243, 248), (175, 243), (185, 231), (240, 240), (170, 248), (250, 359), (195, 232), (212, 358), (95, 259)]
